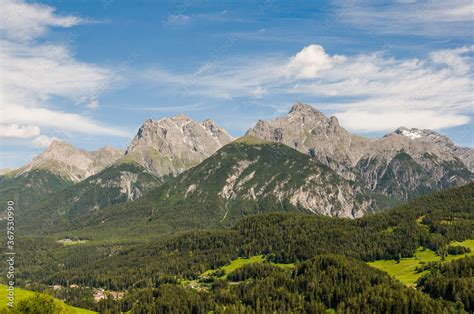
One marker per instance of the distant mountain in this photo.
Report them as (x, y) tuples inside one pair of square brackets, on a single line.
[(311, 132), (119, 183), (466, 155), (171, 145), (245, 177), (28, 188), (251, 175), (402, 164), (58, 167), (71, 163)]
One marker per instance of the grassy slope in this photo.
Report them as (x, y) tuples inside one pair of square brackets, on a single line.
[(240, 262), (21, 294), (229, 268), (405, 270)]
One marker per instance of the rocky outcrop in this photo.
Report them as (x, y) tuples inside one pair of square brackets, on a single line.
[(71, 163), (464, 154), (311, 132), (249, 176), (402, 164), (171, 145)]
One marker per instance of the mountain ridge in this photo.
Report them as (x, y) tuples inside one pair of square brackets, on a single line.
[(434, 158), (71, 163)]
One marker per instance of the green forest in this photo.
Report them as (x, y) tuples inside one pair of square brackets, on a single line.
[(308, 264)]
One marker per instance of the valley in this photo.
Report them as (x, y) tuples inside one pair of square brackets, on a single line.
[(236, 157), (188, 219)]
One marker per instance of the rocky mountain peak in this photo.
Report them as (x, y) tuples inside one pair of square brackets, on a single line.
[(58, 145), (304, 109), (300, 107), (310, 131), (422, 134), (173, 144), (60, 151), (410, 133), (72, 163), (439, 141)]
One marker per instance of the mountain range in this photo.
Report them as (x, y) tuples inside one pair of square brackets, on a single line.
[(189, 219), (304, 161)]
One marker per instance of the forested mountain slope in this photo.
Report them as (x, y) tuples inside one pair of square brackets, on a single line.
[(120, 183), (245, 177), (169, 267)]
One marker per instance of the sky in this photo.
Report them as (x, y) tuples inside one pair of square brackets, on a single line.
[(90, 72)]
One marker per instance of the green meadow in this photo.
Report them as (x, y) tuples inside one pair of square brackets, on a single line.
[(240, 262), (21, 294), (405, 270)]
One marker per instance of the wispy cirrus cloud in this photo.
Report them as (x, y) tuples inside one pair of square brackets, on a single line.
[(35, 72), (25, 21), (369, 92), (426, 18), (18, 131)]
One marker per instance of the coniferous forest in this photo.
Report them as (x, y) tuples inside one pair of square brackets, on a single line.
[(308, 264)]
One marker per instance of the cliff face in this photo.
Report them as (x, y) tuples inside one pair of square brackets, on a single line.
[(171, 145), (402, 164), (250, 175)]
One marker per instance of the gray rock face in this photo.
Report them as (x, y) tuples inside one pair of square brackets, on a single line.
[(171, 145), (251, 175), (466, 155), (310, 131), (402, 164), (71, 163)]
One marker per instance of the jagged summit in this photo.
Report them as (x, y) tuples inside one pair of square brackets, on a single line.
[(415, 133), (307, 129), (395, 165), (301, 107), (410, 133), (71, 163), (173, 144)]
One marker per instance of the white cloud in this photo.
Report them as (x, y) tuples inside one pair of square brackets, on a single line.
[(372, 92), (43, 141), (454, 58), (56, 119), (452, 11), (18, 131), (369, 121), (36, 72), (22, 21), (307, 63), (425, 18)]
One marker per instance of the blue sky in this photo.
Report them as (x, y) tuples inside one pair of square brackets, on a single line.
[(90, 72)]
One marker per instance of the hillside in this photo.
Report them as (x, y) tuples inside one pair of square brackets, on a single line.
[(59, 166), (120, 183), (177, 265), (28, 188), (243, 178), (22, 295)]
